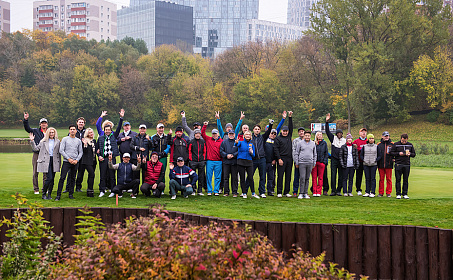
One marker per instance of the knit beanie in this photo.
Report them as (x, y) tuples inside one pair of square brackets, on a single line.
[(349, 136), (370, 136)]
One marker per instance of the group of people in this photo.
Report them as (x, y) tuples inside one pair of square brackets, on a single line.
[(229, 157)]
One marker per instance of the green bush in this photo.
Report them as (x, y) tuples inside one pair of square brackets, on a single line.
[(163, 248), (433, 116), (423, 148)]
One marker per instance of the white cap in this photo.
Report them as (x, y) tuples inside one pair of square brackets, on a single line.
[(126, 155)]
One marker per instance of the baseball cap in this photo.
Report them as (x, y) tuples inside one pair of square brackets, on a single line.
[(126, 123), (300, 128), (196, 124), (43, 120), (160, 125), (274, 131), (215, 131), (230, 131), (385, 133), (126, 155), (363, 129), (196, 131), (142, 126), (180, 159), (154, 153)]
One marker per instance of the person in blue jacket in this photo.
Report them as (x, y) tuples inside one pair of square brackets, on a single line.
[(246, 152), (182, 178)]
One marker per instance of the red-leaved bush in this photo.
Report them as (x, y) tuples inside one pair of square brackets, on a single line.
[(162, 248)]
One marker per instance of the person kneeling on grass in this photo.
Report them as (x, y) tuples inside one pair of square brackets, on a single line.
[(124, 176), (154, 176), (180, 177)]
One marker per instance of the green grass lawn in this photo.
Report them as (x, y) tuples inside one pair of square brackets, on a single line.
[(431, 202)]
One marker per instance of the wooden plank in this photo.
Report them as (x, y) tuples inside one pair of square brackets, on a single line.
[(56, 219), (397, 252), (327, 241), (370, 251), (129, 212), (172, 214), (118, 215), (340, 244), (302, 236), (249, 222), (204, 220), (196, 220), (274, 232), (410, 261), (314, 237), (261, 227), (445, 254), (6, 214), (384, 252), (355, 247), (433, 247), (179, 215), (107, 215), (421, 245), (69, 229), (288, 237), (142, 212)]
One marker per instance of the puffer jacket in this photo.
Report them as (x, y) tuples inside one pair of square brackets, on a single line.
[(343, 154)]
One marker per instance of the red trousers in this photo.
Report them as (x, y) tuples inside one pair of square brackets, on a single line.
[(317, 174), (385, 173)]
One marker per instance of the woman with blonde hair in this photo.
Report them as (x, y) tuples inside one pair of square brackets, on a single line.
[(246, 152), (49, 158), (88, 161), (317, 173)]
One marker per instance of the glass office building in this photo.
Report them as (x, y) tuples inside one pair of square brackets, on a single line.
[(156, 22), (299, 12)]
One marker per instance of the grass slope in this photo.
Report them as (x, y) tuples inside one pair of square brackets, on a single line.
[(430, 204)]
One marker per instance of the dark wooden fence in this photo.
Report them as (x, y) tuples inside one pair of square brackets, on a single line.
[(379, 251)]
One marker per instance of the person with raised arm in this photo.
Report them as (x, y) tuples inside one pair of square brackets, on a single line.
[(283, 152), (214, 159), (228, 126), (337, 141), (125, 178), (190, 132), (101, 124), (229, 153)]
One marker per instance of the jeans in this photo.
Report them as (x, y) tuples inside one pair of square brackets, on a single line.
[(48, 184), (335, 168), (304, 172), (80, 173), (385, 174), (176, 186), (284, 170), (402, 171), (270, 171), (107, 175), (67, 167), (147, 189), (296, 180), (358, 177), (198, 167), (261, 165), (249, 182), (348, 179), (317, 175), (34, 162), (213, 166), (227, 170), (370, 178), (118, 189)]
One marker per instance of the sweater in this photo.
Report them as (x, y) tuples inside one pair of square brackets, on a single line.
[(71, 148), (212, 146), (304, 153)]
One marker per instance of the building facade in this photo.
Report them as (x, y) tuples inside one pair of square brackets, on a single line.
[(5, 17), (299, 12), (157, 23), (267, 31), (92, 19)]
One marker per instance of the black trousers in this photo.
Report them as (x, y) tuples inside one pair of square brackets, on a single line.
[(245, 183), (107, 175), (50, 178), (230, 169), (147, 189), (284, 170), (358, 177), (270, 172), (118, 189), (199, 168), (325, 181), (67, 170), (76, 174), (348, 179), (402, 171), (336, 169), (80, 174)]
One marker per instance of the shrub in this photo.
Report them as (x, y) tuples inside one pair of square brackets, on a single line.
[(433, 116), (163, 248), (424, 149)]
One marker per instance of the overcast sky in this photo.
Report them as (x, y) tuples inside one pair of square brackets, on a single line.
[(22, 11)]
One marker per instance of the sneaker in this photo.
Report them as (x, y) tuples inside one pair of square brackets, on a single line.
[(398, 197), (78, 190), (270, 194), (366, 195), (36, 192), (120, 196), (279, 195), (325, 193), (339, 194), (57, 198), (227, 194), (371, 195), (216, 194), (389, 195), (49, 197), (44, 196), (306, 196), (132, 196), (193, 193), (350, 194), (129, 191), (101, 194), (244, 196), (65, 191), (209, 194), (162, 193), (255, 196), (345, 194), (235, 195), (380, 195), (263, 195), (300, 196), (112, 195), (359, 193), (201, 194), (220, 191), (333, 194), (173, 197), (186, 196), (289, 195), (71, 196), (405, 196)]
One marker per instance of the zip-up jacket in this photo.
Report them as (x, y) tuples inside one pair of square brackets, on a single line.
[(343, 154), (243, 149), (125, 146), (400, 147), (124, 171), (385, 159), (140, 141), (179, 148), (258, 141), (37, 132), (226, 148), (335, 141), (80, 133), (360, 143), (183, 175), (213, 146), (197, 150), (283, 145), (160, 145), (101, 145), (304, 152), (154, 173), (322, 154)]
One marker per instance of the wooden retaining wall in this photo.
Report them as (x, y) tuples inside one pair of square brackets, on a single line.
[(379, 251)]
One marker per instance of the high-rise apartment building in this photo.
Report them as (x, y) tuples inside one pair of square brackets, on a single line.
[(267, 31), (157, 23), (219, 24), (5, 14), (93, 19), (299, 12)]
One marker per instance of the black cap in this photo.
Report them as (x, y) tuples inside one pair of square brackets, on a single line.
[(300, 128), (180, 159), (196, 124), (285, 128), (178, 129)]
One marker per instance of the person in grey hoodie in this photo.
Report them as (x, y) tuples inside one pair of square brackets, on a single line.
[(190, 132), (370, 156), (304, 156)]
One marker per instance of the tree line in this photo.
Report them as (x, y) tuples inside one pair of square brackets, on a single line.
[(367, 62)]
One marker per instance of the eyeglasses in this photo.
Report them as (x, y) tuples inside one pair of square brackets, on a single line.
[(274, 133)]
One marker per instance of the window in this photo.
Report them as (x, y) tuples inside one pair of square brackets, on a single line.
[(56, 22), (88, 20), (55, 8), (108, 30), (68, 7), (102, 8), (37, 24), (102, 14), (62, 16), (108, 9), (88, 5), (102, 29), (108, 16), (55, 15), (62, 23), (88, 27), (88, 35)]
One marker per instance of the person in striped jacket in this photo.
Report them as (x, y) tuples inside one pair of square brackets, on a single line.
[(182, 178)]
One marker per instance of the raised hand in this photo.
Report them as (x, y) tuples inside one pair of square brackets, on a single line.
[(206, 123), (32, 136), (242, 115), (217, 115), (284, 114), (171, 165), (290, 114), (122, 113), (26, 115), (103, 114), (183, 114), (236, 141), (327, 117), (170, 132)]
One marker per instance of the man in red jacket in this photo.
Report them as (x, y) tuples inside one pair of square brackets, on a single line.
[(360, 142), (154, 176), (214, 159)]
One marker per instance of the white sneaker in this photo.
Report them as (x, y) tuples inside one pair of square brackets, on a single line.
[(36, 192), (101, 194), (256, 196), (201, 194), (209, 194), (371, 195), (359, 193), (345, 194), (306, 196), (112, 195), (129, 191), (279, 195), (263, 195), (120, 196), (300, 196), (405, 196), (173, 197), (366, 195), (162, 193), (398, 197), (244, 196), (193, 193), (288, 195), (350, 194)]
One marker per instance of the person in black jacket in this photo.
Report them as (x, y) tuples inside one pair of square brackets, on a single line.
[(259, 161), (88, 161), (140, 145), (124, 141), (402, 151), (349, 160), (336, 141), (322, 156), (229, 153), (283, 151), (197, 160), (179, 146), (385, 164)]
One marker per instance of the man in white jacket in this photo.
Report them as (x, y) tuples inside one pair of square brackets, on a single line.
[(304, 156)]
